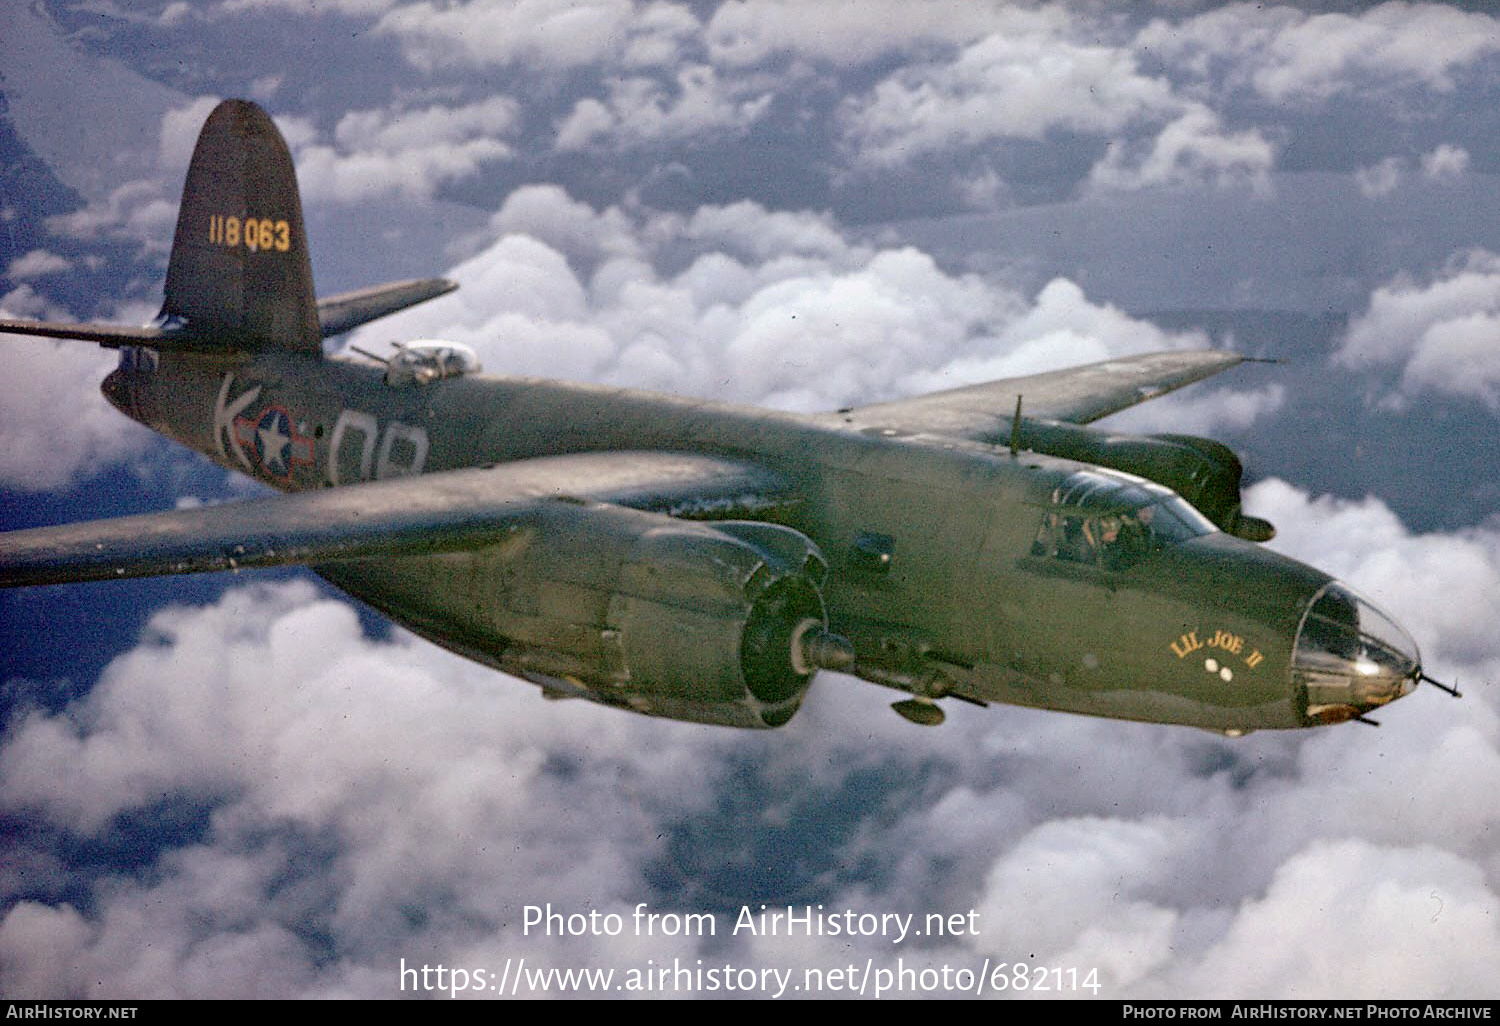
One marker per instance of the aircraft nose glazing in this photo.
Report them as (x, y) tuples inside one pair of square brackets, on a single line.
[(1350, 657)]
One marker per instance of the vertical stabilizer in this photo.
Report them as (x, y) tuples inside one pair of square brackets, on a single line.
[(240, 274)]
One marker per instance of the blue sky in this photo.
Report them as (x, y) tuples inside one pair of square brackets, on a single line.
[(245, 786)]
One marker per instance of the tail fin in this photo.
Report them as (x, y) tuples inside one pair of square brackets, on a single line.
[(240, 276)]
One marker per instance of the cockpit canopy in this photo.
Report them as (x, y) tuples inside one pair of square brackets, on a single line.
[(1113, 521), (429, 360)]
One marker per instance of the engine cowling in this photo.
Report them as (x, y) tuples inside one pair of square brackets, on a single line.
[(711, 622), (730, 612), (1204, 472)]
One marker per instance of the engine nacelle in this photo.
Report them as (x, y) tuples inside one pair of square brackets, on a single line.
[(1204, 472), (710, 622), (724, 612)]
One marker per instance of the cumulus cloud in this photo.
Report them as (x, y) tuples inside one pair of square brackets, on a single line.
[(1379, 179), (777, 308), (1443, 163), (35, 264), (1109, 868), (1440, 333), (396, 130), (292, 746), (55, 426), (1061, 327), (417, 800), (1426, 43), (26, 301), (409, 154), (1363, 899), (846, 32), (1287, 54), (137, 212), (179, 134), (1027, 78), (1045, 71), (547, 213), (789, 328), (175, 13), (143, 211), (348, 7), (547, 35), (1192, 148), (1446, 161), (641, 112)]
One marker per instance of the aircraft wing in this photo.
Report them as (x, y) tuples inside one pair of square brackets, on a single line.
[(1078, 395), (441, 512)]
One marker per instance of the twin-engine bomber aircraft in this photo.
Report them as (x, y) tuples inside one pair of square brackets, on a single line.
[(702, 561)]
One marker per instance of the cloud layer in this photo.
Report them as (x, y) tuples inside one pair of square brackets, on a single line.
[(382, 800), (774, 308), (1440, 333), (268, 794)]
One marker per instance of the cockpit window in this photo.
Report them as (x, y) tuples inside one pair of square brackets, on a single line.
[(422, 362), (1113, 522)]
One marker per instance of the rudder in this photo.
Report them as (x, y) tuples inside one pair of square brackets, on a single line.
[(240, 275)]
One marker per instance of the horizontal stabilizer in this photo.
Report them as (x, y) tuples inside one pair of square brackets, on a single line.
[(444, 512), (336, 314), (105, 334), (348, 310)]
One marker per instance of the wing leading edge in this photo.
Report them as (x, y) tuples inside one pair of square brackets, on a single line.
[(442, 512), (1078, 395)]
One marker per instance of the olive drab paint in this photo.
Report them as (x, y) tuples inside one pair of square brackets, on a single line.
[(699, 560), (240, 267)]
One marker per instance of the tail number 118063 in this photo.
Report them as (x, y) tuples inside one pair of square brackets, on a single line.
[(254, 233)]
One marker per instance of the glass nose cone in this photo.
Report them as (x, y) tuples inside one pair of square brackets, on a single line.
[(1350, 657)]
